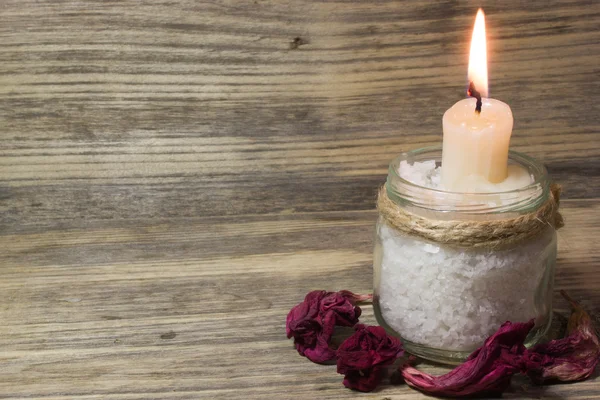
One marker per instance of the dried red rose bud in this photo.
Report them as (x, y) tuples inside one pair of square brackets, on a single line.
[(312, 322), (487, 371), (569, 359), (338, 308), (363, 356)]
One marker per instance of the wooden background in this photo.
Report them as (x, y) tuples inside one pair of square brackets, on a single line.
[(176, 175)]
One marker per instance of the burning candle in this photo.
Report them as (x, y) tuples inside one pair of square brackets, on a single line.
[(450, 266), (477, 132)]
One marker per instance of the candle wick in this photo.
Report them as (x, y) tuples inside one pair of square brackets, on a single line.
[(472, 92)]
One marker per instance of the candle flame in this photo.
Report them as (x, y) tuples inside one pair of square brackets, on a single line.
[(478, 73)]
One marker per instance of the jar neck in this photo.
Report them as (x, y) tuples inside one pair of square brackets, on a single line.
[(448, 205)]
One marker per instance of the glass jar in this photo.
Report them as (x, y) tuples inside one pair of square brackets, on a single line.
[(443, 301)]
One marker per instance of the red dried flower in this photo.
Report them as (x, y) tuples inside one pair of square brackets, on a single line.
[(312, 322), (488, 370), (363, 355), (569, 359)]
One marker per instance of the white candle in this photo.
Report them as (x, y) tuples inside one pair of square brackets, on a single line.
[(475, 145)]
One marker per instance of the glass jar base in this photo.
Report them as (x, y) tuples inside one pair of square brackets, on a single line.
[(450, 357)]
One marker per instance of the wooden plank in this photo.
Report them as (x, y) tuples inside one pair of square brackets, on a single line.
[(344, 176)]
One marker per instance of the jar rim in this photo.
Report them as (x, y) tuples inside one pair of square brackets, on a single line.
[(522, 200)]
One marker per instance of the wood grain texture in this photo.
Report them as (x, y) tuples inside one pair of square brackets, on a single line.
[(176, 175)]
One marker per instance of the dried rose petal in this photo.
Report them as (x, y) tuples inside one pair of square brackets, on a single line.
[(488, 370), (363, 355), (304, 323), (312, 322), (569, 359), (337, 308)]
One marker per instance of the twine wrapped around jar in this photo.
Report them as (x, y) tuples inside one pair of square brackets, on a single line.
[(492, 234)]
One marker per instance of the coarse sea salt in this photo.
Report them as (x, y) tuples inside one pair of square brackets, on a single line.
[(428, 175), (454, 298), (424, 173)]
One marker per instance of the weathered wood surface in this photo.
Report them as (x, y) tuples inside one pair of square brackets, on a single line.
[(175, 176)]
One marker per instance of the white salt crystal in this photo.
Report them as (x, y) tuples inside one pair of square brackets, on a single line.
[(427, 174), (423, 173), (430, 248)]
